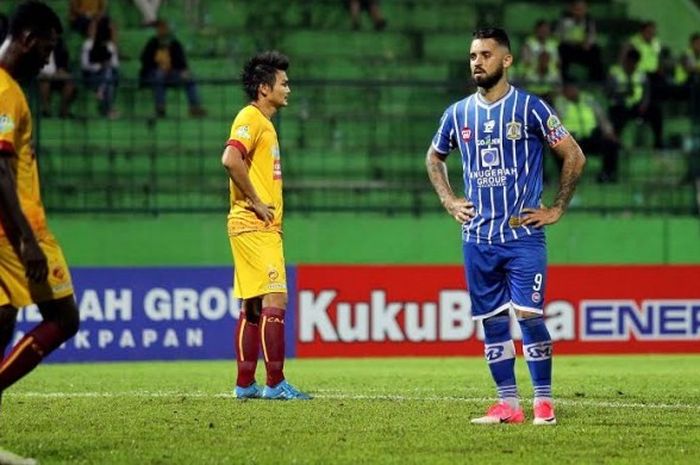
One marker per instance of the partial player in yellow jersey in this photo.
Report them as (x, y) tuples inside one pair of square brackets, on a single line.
[(252, 159), (32, 267)]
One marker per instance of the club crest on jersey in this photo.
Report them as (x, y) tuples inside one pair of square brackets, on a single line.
[(243, 132), (7, 124), (466, 134), (489, 125), (514, 131)]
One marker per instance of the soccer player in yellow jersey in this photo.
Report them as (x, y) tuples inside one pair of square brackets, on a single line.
[(252, 159), (32, 267)]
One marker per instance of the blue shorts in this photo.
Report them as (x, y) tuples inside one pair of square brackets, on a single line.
[(508, 275)]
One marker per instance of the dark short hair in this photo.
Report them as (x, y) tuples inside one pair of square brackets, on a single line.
[(34, 16), (495, 33), (261, 69), (695, 36)]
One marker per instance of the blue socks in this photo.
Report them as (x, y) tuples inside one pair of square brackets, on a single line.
[(537, 348), (500, 356)]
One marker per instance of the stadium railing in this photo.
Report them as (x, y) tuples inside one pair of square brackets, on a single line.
[(347, 145)]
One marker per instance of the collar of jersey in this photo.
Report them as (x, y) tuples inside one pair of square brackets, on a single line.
[(482, 103)]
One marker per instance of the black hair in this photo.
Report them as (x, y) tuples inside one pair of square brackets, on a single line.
[(34, 16), (495, 33), (100, 53), (695, 36), (261, 69)]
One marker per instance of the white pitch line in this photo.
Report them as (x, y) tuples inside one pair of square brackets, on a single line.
[(337, 395)]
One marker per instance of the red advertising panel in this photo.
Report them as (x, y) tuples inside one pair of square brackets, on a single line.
[(354, 311)]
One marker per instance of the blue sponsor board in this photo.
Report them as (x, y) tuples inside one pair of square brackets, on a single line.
[(155, 314)]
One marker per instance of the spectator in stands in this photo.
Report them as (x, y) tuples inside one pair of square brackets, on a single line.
[(100, 64), (630, 94), (163, 63), (587, 122), (540, 41), (55, 76), (690, 61), (667, 82), (577, 34), (372, 7), (149, 10), (83, 12), (648, 46), (544, 79)]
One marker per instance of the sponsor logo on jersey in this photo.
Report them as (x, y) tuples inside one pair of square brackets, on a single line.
[(488, 141), (7, 124), (243, 132), (495, 177), (276, 165), (58, 273), (489, 125), (466, 134), (536, 297), (490, 157)]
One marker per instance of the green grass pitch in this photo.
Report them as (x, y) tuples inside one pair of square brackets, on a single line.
[(611, 410)]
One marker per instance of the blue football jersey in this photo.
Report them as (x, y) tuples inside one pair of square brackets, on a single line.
[(502, 145)]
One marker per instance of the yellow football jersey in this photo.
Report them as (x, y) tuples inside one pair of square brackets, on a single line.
[(253, 134), (16, 138)]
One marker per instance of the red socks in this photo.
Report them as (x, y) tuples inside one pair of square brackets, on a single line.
[(272, 334), (29, 351), (247, 348)]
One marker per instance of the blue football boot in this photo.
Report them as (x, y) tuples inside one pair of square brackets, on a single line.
[(284, 391), (251, 392)]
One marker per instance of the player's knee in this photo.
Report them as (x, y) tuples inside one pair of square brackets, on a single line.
[(252, 309), (497, 326), (64, 312), (524, 315), (70, 320), (275, 300), (8, 316)]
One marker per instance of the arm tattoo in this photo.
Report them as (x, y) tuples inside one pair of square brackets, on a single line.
[(570, 172), (437, 172)]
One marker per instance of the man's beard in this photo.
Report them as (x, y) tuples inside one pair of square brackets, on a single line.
[(488, 81)]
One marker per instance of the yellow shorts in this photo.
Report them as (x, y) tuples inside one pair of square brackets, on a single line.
[(258, 264), (17, 291)]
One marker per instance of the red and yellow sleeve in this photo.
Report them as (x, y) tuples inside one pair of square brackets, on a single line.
[(244, 132), (9, 121)]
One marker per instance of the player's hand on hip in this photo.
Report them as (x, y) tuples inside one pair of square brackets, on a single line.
[(542, 216), (35, 264), (266, 212), (460, 208)]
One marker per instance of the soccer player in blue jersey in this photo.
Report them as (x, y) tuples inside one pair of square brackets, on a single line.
[(501, 132)]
